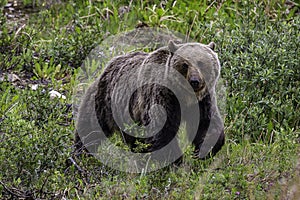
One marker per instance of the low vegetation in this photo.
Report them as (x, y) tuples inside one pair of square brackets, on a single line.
[(42, 45)]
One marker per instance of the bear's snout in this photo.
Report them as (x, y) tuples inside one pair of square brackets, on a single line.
[(196, 83)]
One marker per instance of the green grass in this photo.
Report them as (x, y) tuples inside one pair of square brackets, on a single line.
[(258, 46)]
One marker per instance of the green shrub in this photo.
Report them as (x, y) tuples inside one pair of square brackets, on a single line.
[(258, 46)]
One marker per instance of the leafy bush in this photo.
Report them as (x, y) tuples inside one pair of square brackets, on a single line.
[(258, 46)]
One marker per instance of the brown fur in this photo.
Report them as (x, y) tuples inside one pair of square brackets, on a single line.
[(150, 94)]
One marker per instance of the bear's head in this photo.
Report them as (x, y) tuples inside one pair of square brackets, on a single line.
[(198, 63)]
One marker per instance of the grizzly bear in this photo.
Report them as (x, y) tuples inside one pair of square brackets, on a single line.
[(196, 63)]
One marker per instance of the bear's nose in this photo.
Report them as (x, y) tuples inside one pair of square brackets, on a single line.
[(195, 83)]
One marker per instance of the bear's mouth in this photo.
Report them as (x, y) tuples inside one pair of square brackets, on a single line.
[(198, 89)]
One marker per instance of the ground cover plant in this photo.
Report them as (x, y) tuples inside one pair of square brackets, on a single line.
[(42, 45)]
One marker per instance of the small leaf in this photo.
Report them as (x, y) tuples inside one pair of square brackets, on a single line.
[(270, 126)]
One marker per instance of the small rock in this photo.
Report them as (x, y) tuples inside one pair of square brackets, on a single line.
[(10, 16), (34, 87), (9, 77), (55, 94), (8, 5), (13, 78)]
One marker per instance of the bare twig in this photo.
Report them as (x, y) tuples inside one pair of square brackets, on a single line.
[(76, 165), (15, 192)]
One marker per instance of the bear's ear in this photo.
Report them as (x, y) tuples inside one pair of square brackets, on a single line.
[(212, 45), (172, 46)]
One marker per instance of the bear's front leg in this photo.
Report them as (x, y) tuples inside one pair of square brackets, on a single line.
[(212, 142), (210, 136), (203, 124)]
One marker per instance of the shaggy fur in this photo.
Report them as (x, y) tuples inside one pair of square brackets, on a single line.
[(189, 60)]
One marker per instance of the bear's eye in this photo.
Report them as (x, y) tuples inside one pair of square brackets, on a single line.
[(184, 69), (185, 66)]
